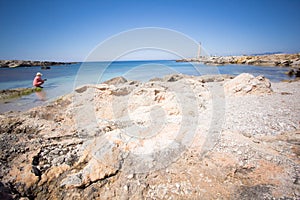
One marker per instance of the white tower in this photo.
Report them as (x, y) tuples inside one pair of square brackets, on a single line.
[(199, 51)]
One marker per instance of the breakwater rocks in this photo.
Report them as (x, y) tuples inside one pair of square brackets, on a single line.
[(178, 137), (284, 60), (27, 63)]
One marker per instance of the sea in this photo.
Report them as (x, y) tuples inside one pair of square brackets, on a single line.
[(64, 79)]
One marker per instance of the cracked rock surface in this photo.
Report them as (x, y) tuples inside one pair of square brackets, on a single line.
[(179, 137)]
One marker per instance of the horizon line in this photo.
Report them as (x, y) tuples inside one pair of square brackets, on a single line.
[(158, 59)]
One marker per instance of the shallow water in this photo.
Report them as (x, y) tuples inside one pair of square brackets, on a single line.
[(63, 79)]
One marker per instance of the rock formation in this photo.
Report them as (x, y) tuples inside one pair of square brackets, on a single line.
[(247, 84), (294, 72), (16, 92), (284, 60), (27, 63), (180, 137)]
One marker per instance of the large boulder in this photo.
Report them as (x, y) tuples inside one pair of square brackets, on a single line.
[(214, 78), (296, 63), (116, 81), (173, 77), (247, 84)]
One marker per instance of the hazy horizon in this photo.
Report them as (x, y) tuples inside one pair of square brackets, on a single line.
[(154, 59)]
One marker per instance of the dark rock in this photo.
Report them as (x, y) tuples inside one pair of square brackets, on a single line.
[(5, 192), (122, 91), (71, 159), (290, 73), (286, 62), (35, 160), (27, 63), (45, 67), (155, 79), (36, 171), (215, 78), (254, 192), (293, 72), (297, 73), (173, 77), (276, 63), (116, 81), (81, 89)]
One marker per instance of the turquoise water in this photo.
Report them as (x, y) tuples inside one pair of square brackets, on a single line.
[(63, 79)]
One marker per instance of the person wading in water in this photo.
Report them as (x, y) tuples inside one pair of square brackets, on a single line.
[(38, 81)]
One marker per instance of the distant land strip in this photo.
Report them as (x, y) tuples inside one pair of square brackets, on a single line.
[(283, 60), (28, 63)]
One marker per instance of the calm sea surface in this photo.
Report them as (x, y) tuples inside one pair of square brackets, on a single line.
[(63, 79)]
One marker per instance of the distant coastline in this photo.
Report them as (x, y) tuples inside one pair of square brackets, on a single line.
[(28, 63), (267, 59), (283, 60)]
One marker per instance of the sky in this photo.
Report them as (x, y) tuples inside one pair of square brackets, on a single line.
[(69, 30)]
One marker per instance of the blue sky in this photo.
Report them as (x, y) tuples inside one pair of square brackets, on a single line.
[(64, 30)]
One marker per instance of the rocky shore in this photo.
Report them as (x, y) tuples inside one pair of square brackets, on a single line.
[(284, 60), (179, 137), (16, 93), (27, 63)]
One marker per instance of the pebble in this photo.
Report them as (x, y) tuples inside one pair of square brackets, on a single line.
[(46, 151), (256, 141), (130, 176), (46, 166), (269, 158), (58, 160), (55, 151)]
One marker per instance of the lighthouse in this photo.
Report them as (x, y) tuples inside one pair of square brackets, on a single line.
[(199, 51)]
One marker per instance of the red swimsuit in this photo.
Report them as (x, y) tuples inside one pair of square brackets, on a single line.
[(38, 81)]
